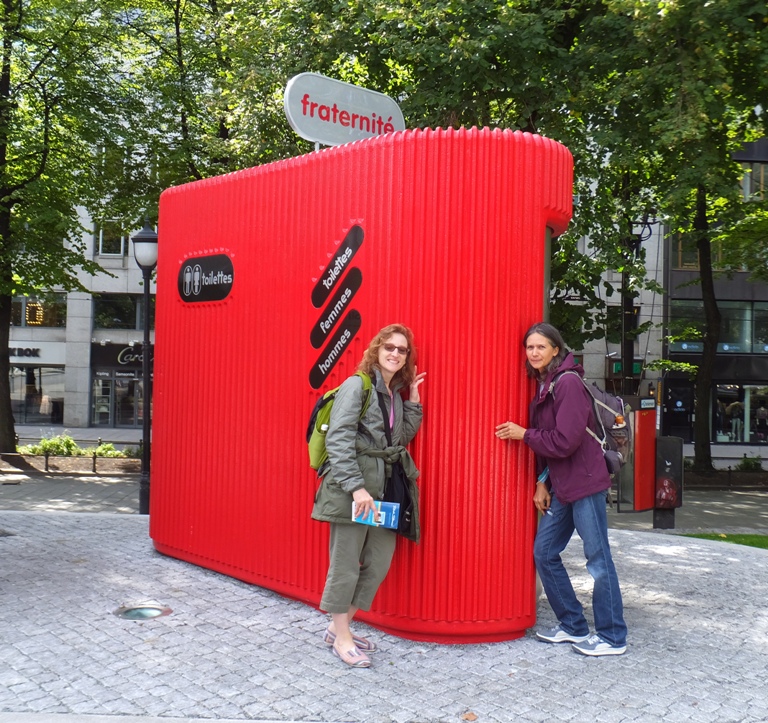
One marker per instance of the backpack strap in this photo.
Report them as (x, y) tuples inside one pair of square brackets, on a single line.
[(367, 388), (602, 441)]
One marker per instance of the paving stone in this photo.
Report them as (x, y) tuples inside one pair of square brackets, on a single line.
[(695, 610)]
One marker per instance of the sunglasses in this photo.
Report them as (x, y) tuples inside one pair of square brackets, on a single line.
[(402, 350)]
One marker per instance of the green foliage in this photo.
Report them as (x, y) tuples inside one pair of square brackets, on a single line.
[(65, 446), (665, 365), (749, 464), (132, 452), (760, 541), (105, 449), (60, 446), (110, 102)]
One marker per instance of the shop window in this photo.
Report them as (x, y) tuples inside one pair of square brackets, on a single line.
[(756, 414), (37, 394), (740, 414), (50, 311), (121, 311), (112, 240)]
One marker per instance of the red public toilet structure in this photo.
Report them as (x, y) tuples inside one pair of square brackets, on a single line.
[(271, 283)]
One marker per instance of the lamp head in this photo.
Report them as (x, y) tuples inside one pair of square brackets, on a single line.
[(145, 247)]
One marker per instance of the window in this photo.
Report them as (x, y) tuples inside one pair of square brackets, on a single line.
[(735, 326), (121, 311), (37, 394), (686, 325), (613, 323), (740, 413), (50, 311), (743, 330), (755, 181), (686, 256), (760, 327), (112, 240)]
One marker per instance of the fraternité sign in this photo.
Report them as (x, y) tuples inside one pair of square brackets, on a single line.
[(332, 112)]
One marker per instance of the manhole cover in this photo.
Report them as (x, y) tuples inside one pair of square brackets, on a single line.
[(142, 610)]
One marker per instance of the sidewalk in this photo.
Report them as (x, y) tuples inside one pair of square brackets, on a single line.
[(230, 651)]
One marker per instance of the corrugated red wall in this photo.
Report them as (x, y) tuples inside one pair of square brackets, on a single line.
[(441, 230)]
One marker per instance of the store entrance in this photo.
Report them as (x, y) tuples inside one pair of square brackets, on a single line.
[(118, 399)]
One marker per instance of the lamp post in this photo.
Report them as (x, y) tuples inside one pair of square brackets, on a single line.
[(145, 253)]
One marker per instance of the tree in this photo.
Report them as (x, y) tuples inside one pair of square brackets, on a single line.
[(680, 83), (60, 88)]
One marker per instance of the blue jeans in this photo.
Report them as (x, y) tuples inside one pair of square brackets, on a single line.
[(589, 519)]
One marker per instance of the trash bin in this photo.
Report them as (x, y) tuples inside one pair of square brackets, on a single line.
[(271, 282)]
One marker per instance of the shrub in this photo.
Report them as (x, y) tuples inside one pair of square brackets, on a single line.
[(750, 464), (61, 446), (65, 446), (106, 449)]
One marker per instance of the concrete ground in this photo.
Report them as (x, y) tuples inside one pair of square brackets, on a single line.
[(73, 550)]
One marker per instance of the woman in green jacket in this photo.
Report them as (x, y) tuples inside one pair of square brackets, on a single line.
[(358, 458)]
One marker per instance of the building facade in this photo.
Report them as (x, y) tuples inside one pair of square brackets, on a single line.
[(76, 358), (738, 417)]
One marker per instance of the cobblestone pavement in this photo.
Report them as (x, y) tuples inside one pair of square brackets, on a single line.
[(232, 652)]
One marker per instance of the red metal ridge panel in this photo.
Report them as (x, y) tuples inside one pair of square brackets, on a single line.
[(271, 283)]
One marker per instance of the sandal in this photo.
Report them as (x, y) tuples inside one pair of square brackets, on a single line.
[(363, 644), (354, 658)]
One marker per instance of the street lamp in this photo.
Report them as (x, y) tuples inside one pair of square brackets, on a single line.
[(145, 253)]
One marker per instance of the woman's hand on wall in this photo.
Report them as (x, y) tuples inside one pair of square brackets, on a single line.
[(510, 430)]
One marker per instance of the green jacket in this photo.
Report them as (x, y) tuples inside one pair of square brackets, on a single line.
[(358, 454)]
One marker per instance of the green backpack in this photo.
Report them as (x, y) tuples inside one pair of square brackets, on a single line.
[(320, 418)]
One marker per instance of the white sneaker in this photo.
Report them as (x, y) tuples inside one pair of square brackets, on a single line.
[(595, 645), (558, 635)]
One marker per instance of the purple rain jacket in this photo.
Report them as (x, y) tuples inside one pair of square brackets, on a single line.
[(558, 436)]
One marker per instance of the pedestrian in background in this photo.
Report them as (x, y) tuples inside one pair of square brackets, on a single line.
[(571, 491)]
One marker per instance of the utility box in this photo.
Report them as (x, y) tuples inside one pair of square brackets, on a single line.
[(271, 283)]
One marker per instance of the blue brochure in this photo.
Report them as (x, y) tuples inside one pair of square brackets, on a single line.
[(389, 514)]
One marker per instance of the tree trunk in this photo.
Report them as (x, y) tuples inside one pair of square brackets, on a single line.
[(702, 449), (7, 428)]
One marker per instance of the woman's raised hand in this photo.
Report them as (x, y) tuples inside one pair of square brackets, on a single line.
[(415, 397)]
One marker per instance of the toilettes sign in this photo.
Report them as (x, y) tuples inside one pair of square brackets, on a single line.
[(331, 112)]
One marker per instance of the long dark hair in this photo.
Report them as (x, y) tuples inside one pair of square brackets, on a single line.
[(554, 337)]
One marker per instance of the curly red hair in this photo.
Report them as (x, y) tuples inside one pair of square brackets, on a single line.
[(370, 359)]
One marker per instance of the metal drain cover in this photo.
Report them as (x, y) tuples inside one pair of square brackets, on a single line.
[(142, 610)]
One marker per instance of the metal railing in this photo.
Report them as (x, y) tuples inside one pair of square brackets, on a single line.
[(94, 457)]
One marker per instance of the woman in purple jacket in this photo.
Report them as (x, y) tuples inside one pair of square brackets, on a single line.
[(571, 493)]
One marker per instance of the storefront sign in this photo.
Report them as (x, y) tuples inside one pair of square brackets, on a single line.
[(41, 352), (117, 356), (332, 112)]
